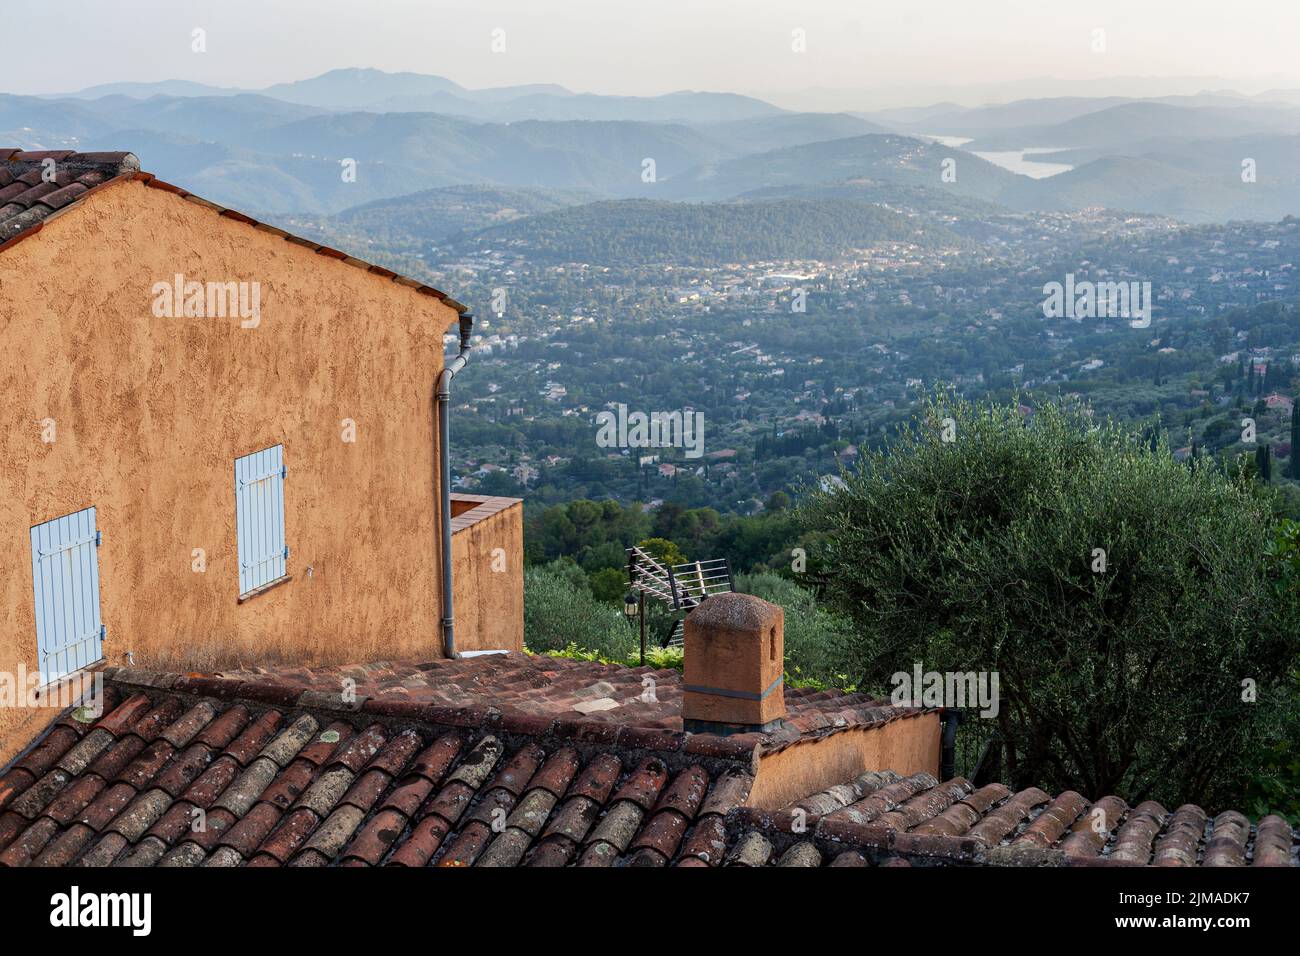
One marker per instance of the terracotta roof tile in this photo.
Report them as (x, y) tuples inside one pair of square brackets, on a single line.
[(802, 854), (70, 804), (112, 760), (423, 843), (537, 694), (254, 737), (408, 797), (466, 846), (327, 791), (108, 804), (119, 720), (157, 719), (290, 835), (65, 848), (30, 843), (949, 823), (367, 789), (169, 828), (45, 755), (84, 751), (213, 782), (494, 807), (30, 194), (285, 790), (430, 787), (228, 781), (38, 796)]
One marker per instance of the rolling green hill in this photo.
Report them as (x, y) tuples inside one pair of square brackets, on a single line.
[(927, 200), (414, 221), (1201, 183), (632, 232)]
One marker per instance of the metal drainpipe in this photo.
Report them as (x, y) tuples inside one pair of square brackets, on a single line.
[(443, 397)]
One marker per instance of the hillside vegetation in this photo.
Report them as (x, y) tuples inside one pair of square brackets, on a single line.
[(645, 231)]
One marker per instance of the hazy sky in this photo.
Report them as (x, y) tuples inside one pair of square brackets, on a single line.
[(617, 46)]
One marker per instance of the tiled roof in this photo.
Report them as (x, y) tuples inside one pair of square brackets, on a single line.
[(27, 201), (282, 775), (189, 771), (545, 688), (27, 198), (883, 819), (482, 506)]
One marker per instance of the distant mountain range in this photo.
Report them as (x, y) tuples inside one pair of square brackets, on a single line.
[(1126, 123), (895, 159), (380, 92), (953, 120), (279, 150)]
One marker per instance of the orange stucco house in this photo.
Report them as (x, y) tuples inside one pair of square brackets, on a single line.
[(222, 442)]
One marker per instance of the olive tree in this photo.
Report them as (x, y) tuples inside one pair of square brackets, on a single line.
[(1128, 603)]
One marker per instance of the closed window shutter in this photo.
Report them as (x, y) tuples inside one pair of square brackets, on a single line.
[(65, 581), (259, 518)]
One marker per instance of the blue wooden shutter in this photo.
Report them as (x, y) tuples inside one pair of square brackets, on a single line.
[(65, 578), (259, 518)]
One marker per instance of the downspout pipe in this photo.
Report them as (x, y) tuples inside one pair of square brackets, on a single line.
[(442, 396)]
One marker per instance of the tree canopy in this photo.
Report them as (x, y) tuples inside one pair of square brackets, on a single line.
[(1141, 628)]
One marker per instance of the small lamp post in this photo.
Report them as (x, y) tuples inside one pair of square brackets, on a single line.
[(634, 607)]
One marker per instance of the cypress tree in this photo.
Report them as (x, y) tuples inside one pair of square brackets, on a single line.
[(1294, 468), (1264, 464)]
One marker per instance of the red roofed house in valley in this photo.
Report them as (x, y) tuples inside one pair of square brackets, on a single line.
[(222, 442)]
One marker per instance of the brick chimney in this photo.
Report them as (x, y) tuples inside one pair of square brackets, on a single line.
[(734, 667)]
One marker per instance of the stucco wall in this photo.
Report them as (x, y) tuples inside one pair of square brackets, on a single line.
[(488, 583), (907, 745), (151, 413)]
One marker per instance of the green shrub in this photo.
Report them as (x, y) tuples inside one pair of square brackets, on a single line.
[(660, 658), (1275, 785), (815, 638), (608, 585), (1123, 598), (558, 613)]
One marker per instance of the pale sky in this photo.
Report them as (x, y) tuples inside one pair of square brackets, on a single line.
[(656, 46)]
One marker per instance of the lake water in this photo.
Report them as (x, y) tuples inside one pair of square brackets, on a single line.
[(1017, 161), (1014, 160)]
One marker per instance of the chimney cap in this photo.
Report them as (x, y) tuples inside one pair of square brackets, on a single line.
[(733, 611)]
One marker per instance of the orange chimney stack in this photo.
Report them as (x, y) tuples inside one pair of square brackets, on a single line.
[(734, 665)]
